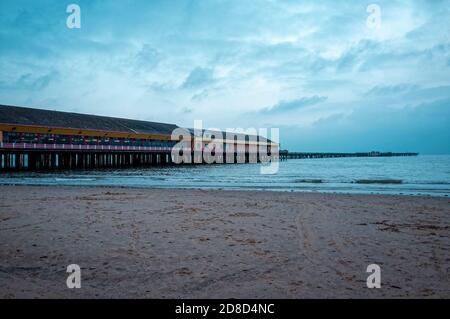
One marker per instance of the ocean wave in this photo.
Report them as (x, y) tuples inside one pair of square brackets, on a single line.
[(378, 181), (60, 179), (309, 181), (434, 183)]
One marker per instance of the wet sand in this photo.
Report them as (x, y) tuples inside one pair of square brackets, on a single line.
[(155, 243)]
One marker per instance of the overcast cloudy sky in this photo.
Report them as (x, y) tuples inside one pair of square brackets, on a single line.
[(315, 69)]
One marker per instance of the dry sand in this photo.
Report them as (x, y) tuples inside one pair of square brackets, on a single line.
[(153, 243)]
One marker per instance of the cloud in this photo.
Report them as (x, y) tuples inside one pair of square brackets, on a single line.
[(391, 89), (198, 77), (30, 82), (186, 110), (288, 106), (431, 29), (200, 96), (148, 57), (403, 94)]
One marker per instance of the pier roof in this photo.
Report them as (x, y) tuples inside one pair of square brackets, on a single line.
[(46, 118)]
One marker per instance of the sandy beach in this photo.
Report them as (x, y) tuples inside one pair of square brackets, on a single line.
[(157, 243)]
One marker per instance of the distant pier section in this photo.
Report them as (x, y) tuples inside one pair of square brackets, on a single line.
[(285, 154)]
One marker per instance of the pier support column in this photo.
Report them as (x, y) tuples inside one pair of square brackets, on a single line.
[(6, 166), (72, 161), (53, 160), (31, 161), (16, 161), (37, 160)]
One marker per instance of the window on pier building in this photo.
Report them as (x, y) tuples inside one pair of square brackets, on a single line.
[(29, 138), (62, 139), (154, 143), (146, 143), (77, 140), (105, 141), (17, 137), (89, 140), (11, 137)]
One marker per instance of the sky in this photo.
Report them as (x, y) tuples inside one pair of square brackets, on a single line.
[(337, 76)]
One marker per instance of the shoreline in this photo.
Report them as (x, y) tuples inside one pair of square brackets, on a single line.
[(193, 243), (229, 189)]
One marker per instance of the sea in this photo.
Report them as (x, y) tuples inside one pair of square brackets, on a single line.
[(425, 175)]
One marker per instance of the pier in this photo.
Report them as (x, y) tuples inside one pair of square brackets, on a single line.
[(35, 139), (285, 155)]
